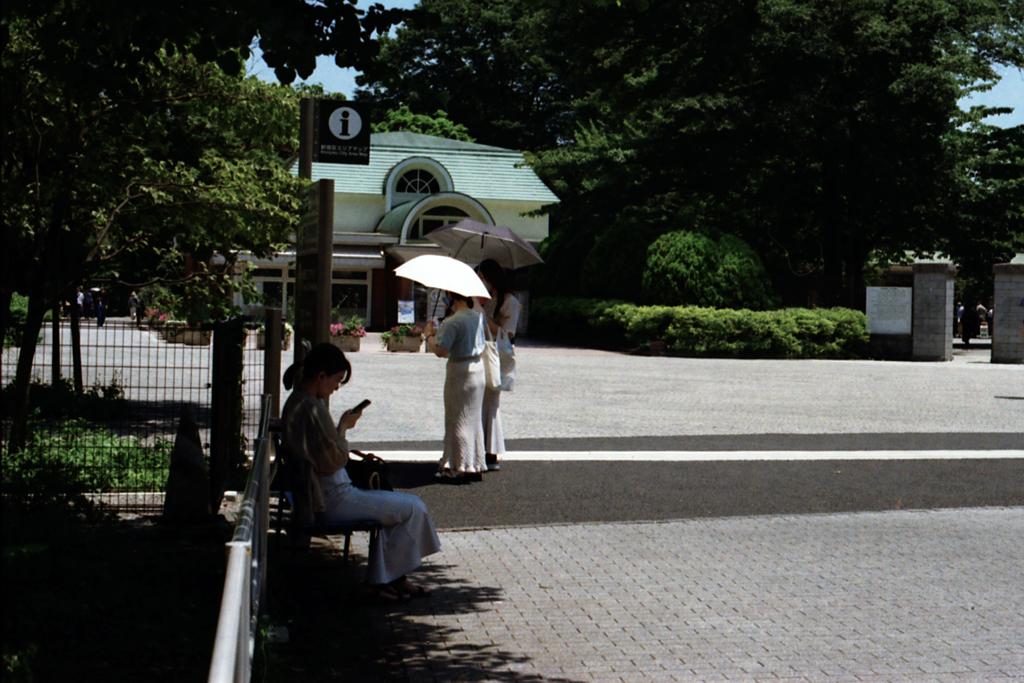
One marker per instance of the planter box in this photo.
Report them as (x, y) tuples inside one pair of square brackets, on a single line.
[(196, 337), (407, 345), (172, 334), (347, 343), (191, 338)]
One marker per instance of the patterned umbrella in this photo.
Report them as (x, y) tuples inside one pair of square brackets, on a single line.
[(472, 242)]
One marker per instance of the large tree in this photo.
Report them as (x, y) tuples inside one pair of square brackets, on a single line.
[(822, 133), (183, 160), (126, 127), (487, 63)]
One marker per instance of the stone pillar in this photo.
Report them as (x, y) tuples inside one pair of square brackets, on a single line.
[(1008, 314), (933, 311)]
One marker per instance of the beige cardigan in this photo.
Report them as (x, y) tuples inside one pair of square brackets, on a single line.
[(310, 433)]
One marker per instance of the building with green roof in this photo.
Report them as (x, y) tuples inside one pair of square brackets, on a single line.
[(383, 211)]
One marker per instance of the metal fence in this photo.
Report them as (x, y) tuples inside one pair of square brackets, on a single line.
[(138, 382), (245, 579)]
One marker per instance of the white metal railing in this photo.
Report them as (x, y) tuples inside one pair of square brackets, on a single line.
[(245, 585)]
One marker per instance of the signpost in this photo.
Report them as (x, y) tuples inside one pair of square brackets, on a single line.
[(330, 132)]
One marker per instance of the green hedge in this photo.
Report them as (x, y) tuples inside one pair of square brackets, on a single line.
[(694, 331)]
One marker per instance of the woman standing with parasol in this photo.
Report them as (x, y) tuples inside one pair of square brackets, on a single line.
[(501, 312), (461, 340)]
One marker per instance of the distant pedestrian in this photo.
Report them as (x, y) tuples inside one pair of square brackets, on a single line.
[(79, 297), (959, 314), (970, 324), (135, 309), (101, 306), (87, 305)]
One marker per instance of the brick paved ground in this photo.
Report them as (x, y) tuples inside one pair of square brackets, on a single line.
[(895, 596), (891, 595)]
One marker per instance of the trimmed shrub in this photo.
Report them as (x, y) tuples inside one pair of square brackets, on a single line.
[(689, 269), (588, 322), (703, 332)]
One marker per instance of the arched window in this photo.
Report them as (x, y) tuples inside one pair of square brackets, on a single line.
[(432, 219), (417, 181)]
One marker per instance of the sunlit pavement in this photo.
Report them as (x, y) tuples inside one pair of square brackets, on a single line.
[(666, 519)]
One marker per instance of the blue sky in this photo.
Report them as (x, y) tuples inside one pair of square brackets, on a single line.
[(1008, 93)]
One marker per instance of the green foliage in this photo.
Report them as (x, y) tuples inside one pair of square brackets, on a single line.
[(19, 308), (821, 134), (438, 125), (614, 267), (576, 320), (18, 662), (60, 401), (85, 459), (688, 269), (400, 332), (16, 322), (488, 63), (703, 332)]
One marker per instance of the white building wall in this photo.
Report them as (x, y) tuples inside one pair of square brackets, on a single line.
[(357, 212), (530, 228)]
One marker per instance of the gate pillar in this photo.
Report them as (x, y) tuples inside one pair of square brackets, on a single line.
[(933, 306), (1008, 314)]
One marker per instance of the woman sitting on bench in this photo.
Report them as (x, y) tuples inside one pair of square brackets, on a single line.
[(310, 433)]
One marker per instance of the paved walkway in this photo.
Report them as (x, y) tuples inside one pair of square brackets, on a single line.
[(898, 596), (737, 572)]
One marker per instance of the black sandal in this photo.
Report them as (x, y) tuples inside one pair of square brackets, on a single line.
[(385, 594), (397, 586)]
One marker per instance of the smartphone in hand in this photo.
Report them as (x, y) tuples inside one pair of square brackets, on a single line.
[(362, 404)]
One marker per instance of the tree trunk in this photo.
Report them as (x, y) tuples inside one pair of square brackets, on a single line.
[(23, 375), (6, 297), (76, 346)]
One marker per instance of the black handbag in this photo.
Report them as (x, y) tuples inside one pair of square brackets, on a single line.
[(370, 472)]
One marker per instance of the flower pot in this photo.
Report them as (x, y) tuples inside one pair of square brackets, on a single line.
[(346, 343), (196, 337), (407, 345)]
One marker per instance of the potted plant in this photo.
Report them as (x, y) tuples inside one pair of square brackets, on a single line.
[(347, 335), (173, 331), (286, 337), (195, 335), (404, 337)]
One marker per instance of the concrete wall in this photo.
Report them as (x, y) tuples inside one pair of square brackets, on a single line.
[(933, 301), (1008, 314)]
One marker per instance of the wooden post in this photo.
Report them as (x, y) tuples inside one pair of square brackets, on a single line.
[(225, 407), (272, 360)]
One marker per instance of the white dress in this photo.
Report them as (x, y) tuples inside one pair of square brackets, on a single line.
[(462, 334), (408, 534), (494, 437)]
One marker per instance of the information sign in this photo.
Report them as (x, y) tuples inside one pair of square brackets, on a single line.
[(890, 310), (342, 132)]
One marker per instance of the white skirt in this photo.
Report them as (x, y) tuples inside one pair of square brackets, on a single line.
[(494, 437), (408, 534), (463, 409)]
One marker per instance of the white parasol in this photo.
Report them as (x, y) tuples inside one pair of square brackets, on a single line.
[(443, 272)]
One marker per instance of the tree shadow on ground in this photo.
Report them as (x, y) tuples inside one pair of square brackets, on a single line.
[(336, 632), (419, 649)]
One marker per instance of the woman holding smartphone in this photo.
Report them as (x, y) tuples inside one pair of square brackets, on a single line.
[(328, 494)]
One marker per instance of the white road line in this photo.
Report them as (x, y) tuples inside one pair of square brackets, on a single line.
[(698, 456)]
